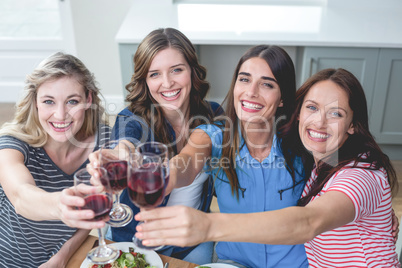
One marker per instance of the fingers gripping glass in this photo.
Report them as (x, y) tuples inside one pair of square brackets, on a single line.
[(98, 198), (146, 185), (114, 156)]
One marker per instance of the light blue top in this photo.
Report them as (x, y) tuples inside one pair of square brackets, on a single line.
[(263, 186)]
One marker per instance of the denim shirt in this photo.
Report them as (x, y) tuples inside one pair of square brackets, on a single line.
[(264, 186)]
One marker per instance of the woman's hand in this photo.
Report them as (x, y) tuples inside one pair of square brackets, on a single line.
[(93, 160), (177, 225), (74, 217)]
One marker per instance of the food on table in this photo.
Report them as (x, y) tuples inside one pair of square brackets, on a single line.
[(129, 259)]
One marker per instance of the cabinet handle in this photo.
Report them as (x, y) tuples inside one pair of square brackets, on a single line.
[(311, 67)]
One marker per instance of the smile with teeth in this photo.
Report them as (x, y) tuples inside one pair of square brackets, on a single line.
[(170, 94), (61, 125), (318, 135), (251, 105)]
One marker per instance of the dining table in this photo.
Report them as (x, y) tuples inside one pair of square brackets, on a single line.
[(79, 256)]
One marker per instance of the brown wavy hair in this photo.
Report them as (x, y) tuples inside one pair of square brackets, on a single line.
[(360, 147), (282, 68), (139, 95)]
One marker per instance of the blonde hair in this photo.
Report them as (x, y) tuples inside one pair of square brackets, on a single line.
[(26, 126)]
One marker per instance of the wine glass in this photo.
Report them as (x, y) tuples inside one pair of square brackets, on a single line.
[(146, 185), (160, 149), (98, 198), (114, 156)]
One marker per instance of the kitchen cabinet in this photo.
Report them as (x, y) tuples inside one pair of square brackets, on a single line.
[(362, 62), (385, 119)]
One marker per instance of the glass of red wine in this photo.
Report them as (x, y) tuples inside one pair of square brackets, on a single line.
[(114, 156), (146, 185), (159, 149), (98, 198)]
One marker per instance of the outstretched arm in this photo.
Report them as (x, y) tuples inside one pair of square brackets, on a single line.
[(183, 226), (185, 166), (28, 200), (61, 258), (36, 204)]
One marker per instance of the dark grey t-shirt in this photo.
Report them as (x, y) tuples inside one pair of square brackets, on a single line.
[(27, 243)]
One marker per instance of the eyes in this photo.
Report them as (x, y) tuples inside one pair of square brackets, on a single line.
[(332, 113), (264, 84), (173, 71), (69, 102)]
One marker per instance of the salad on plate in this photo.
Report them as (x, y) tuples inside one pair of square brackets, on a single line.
[(129, 259)]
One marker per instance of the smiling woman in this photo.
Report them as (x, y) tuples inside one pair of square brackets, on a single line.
[(166, 97), (61, 108), (325, 121), (57, 124)]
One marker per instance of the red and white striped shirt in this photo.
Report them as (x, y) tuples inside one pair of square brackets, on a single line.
[(367, 240)]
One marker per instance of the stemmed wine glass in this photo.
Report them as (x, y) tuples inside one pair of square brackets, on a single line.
[(114, 156), (146, 185), (98, 198), (159, 149)]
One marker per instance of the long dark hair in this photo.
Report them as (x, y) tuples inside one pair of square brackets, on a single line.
[(139, 96), (358, 148), (282, 68)]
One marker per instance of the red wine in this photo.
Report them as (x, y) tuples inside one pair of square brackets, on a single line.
[(117, 174), (100, 204), (146, 188)]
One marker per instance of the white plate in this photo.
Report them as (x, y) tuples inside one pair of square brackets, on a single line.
[(150, 256), (218, 265)]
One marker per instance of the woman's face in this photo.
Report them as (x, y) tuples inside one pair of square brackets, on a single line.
[(61, 107), (325, 120), (256, 93), (169, 80)]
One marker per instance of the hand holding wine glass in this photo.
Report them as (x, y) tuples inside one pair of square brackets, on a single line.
[(114, 156), (98, 197), (146, 184)]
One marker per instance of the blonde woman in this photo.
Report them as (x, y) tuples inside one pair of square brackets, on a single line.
[(57, 124)]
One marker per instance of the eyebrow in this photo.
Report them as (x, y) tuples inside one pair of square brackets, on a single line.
[(173, 66), (262, 77), (340, 108), (68, 97)]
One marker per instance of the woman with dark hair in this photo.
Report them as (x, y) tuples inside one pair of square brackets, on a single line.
[(166, 98), (57, 124), (345, 213), (244, 155)]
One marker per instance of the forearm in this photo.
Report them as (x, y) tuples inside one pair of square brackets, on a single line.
[(182, 172), (36, 204), (287, 226), (70, 247), (185, 166)]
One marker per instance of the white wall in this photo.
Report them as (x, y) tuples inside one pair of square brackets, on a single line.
[(95, 24)]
